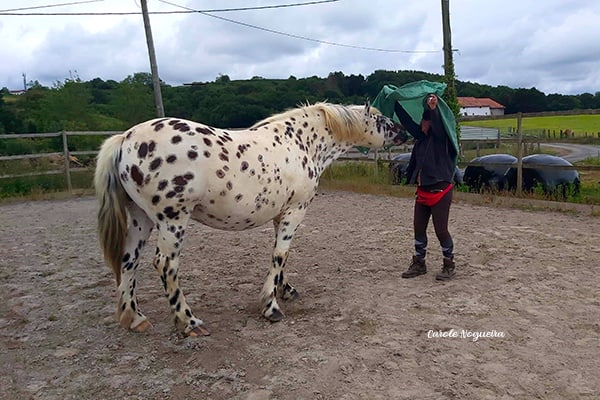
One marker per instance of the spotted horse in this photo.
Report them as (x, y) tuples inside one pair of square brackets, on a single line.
[(163, 172)]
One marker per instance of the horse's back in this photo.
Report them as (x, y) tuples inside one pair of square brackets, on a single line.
[(231, 179)]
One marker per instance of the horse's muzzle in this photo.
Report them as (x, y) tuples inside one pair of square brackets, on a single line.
[(400, 138)]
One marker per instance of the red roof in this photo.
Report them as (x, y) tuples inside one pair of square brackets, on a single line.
[(478, 102)]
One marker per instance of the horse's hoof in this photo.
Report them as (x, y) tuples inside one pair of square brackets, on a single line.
[(199, 330), (291, 296), (275, 316), (142, 326)]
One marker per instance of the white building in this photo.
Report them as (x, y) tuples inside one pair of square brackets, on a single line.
[(474, 106)]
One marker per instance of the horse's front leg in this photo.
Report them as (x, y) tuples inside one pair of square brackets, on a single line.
[(276, 282)]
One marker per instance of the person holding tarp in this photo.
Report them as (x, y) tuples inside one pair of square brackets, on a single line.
[(431, 167)]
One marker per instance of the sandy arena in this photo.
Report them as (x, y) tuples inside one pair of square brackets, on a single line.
[(527, 279)]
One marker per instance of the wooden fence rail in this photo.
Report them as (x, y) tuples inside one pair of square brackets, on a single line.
[(66, 154), (377, 156)]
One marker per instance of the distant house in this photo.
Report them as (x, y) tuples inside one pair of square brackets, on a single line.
[(17, 92), (474, 106)]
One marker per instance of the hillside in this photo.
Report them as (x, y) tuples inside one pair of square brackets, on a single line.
[(111, 105)]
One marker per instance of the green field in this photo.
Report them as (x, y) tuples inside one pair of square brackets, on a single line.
[(580, 124)]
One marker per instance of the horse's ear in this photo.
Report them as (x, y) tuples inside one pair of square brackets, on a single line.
[(368, 107)]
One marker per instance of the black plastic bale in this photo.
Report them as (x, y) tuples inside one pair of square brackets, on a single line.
[(553, 181), (490, 175)]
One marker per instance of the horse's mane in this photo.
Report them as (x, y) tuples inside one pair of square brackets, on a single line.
[(344, 122)]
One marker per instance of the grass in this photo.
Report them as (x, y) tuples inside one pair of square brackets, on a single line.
[(356, 176), (366, 177), (580, 124), (40, 186), (590, 182), (11, 98), (590, 179), (45, 186)]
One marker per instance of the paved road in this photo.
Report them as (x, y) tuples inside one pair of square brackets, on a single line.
[(574, 152), (577, 152)]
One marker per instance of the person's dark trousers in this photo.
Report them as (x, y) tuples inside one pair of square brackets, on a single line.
[(440, 214)]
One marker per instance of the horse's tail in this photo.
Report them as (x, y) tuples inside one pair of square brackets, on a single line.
[(112, 214)]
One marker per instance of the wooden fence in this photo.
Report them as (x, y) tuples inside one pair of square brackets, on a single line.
[(66, 154), (377, 156)]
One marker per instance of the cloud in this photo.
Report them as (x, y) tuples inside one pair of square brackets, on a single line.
[(551, 46), (91, 54)]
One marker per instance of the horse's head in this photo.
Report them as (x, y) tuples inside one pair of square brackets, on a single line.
[(361, 126), (382, 130)]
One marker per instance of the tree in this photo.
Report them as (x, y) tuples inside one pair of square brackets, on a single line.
[(222, 79), (69, 105), (29, 108), (527, 100), (589, 101), (559, 102), (101, 90), (133, 100), (110, 105), (354, 85), (139, 78), (378, 79), (9, 123)]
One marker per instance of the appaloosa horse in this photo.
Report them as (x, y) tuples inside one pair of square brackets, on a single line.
[(163, 172)]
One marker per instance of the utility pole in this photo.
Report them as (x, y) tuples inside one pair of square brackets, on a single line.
[(519, 154), (449, 74), (447, 36), (160, 111)]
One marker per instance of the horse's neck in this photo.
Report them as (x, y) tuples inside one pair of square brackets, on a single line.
[(321, 148), (324, 152)]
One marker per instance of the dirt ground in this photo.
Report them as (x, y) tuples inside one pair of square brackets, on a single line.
[(527, 280)]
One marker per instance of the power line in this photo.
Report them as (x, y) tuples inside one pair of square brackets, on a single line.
[(87, 14), (306, 3), (297, 36), (187, 10), (191, 11), (51, 5)]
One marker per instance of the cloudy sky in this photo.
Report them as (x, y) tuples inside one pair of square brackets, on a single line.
[(553, 45)]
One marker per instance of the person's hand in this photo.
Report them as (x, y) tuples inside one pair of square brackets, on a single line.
[(432, 101), (425, 124)]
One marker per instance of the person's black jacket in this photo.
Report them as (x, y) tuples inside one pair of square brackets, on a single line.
[(433, 154)]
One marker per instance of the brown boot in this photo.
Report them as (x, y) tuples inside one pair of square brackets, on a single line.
[(447, 270), (416, 268)]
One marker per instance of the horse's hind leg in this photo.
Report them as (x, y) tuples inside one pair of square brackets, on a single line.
[(140, 227), (288, 292), (166, 262), (276, 282)]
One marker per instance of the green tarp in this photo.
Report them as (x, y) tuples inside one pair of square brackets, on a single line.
[(411, 96)]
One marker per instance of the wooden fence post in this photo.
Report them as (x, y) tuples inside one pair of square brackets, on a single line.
[(376, 164), (67, 161), (498, 140), (519, 154)]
